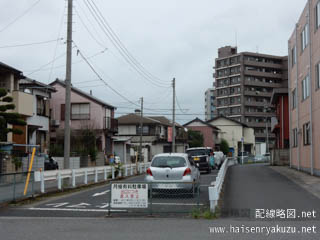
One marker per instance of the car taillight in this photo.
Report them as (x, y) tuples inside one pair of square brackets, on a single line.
[(187, 172), (149, 172)]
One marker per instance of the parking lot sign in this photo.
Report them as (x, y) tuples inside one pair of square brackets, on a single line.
[(129, 195)]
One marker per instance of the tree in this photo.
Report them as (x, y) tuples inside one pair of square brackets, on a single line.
[(195, 138), (8, 117), (224, 146)]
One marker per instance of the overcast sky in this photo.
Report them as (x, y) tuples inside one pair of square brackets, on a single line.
[(169, 38)]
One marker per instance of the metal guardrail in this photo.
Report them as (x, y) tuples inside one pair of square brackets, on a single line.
[(81, 176), (12, 184), (214, 192)]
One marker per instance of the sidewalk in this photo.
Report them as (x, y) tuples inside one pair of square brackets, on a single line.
[(304, 180), (251, 187)]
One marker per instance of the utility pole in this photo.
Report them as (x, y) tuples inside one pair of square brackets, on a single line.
[(68, 89), (141, 130), (174, 116)]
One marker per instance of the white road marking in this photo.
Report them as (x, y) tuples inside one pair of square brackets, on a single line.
[(101, 193), (105, 205), (80, 205), (56, 205), (76, 210)]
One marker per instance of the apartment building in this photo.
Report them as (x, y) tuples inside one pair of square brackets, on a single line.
[(209, 103), (304, 93), (244, 84)]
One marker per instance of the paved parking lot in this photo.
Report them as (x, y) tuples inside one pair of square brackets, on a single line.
[(94, 202)]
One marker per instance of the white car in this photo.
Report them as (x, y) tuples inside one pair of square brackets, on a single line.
[(172, 171)]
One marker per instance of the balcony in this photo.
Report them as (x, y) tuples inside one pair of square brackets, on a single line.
[(110, 124), (262, 64), (23, 102), (262, 74), (258, 93), (262, 84), (256, 104)]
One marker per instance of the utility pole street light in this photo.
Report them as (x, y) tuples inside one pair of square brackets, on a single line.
[(174, 116), (68, 89), (141, 129)]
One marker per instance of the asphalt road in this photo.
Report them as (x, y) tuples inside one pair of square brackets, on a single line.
[(94, 202), (251, 187), (151, 228)]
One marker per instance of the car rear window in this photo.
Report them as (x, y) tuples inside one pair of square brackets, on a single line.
[(199, 152), (172, 162)]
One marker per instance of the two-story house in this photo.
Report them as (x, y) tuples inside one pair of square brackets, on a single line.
[(87, 112), (9, 80), (209, 132), (154, 134), (38, 123)]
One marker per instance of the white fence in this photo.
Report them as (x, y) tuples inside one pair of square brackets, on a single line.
[(108, 172), (214, 192)]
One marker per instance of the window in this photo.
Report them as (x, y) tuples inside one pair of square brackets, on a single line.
[(318, 74), (41, 106), (304, 37), (306, 134), (294, 99), (295, 137), (305, 88), (317, 14), (293, 56), (80, 111), (145, 130)]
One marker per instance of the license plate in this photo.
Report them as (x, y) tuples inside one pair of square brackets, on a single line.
[(166, 186), (196, 159)]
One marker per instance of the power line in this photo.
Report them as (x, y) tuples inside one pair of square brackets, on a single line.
[(97, 74), (90, 33), (20, 16), (31, 44), (117, 44), (126, 50), (181, 110)]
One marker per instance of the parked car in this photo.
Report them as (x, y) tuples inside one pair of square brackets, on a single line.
[(173, 171), (201, 155), (50, 163)]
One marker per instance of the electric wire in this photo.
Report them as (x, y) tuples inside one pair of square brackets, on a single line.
[(20, 16), (117, 45), (31, 44), (126, 50)]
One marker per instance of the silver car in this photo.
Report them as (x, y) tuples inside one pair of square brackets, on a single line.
[(173, 171)]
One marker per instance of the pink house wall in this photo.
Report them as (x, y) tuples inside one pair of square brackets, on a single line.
[(97, 112), (207, 133)]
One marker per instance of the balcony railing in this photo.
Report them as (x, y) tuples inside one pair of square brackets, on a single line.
[(110, 124)]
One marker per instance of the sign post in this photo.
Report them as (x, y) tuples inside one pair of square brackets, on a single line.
[(242, 140)]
